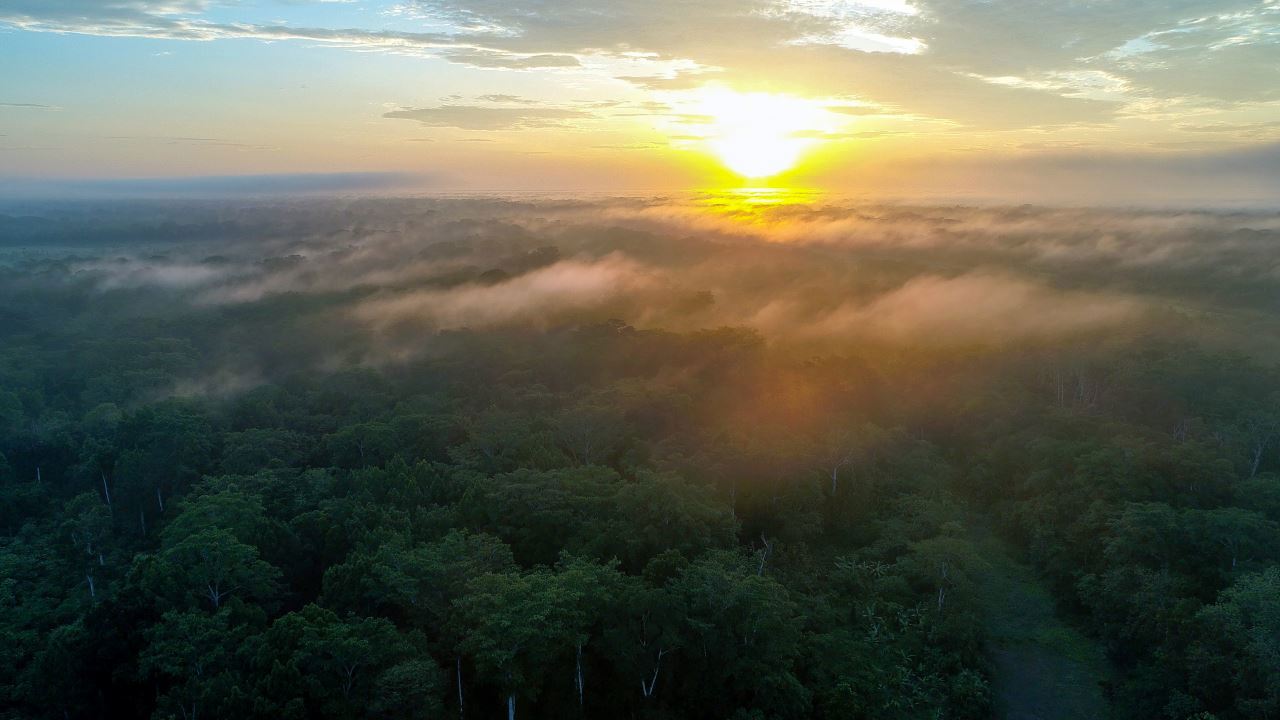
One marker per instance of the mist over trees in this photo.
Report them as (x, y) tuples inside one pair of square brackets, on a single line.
[(612, 457)]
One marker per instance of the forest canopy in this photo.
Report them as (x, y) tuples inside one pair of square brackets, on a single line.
[(650, 458)]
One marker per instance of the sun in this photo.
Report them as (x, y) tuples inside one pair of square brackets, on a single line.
[(759, 135)]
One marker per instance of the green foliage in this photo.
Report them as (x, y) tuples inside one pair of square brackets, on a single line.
[(206, 510)]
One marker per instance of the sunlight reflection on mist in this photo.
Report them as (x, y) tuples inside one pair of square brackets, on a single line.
[(756, 205)]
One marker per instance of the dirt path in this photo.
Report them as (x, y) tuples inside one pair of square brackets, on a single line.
[(1044, 669)]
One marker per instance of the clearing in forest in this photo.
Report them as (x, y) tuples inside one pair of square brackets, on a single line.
[(1044, 668)]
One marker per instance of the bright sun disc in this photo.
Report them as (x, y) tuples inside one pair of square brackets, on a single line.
[(758, 135)]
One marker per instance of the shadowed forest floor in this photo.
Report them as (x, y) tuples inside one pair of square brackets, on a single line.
[(1044, 668)]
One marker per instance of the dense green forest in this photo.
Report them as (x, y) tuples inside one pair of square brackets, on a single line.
[(623, 458)]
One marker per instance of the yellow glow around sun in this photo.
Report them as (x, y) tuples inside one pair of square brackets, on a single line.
[(759, 135)]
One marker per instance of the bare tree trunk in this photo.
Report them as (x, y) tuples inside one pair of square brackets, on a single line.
[(944, 572), (142, 520), (461, 707), (1258, 449), (511, 706), (159, 500), (579, 676), (764, 554), (647, 690), (93, 595), (350, 670), (106, 491)]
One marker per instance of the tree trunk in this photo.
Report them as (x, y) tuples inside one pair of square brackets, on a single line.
[(159, 499), (579, 676), (511, 706), (647, 690), (93, 595), (764, 554), (106, 491), (461, 706)]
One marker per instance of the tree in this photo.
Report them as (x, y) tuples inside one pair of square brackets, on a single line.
[(740, 642), (1247, 618), (411, 690), (191, 654), (590, 432), (338, 667), (211, 565), (514, 625)]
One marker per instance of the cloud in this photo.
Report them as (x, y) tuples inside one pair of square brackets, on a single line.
[(677, 81), (211, 186), (1256, 129), (486, 58), (549, 296), (972, 308), (379, 278), (30, 106), (195, 141), (985, 64), (1225, 51), (473, 117), (506, 99)]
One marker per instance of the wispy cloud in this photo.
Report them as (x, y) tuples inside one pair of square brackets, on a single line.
[(275, 185), (480, 117), (982, 64), (30, 106)]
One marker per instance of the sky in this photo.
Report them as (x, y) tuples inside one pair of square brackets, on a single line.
[(1132, 100)]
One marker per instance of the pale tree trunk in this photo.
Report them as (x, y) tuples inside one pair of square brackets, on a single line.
[(1232, 546), (215, 595), (106, 491), (578, 678), (462, 712), (159, 499), (350, 671), (511, 706), (764, 554), (943, 574), (93, 595), (1258, 449), (647, 690)]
